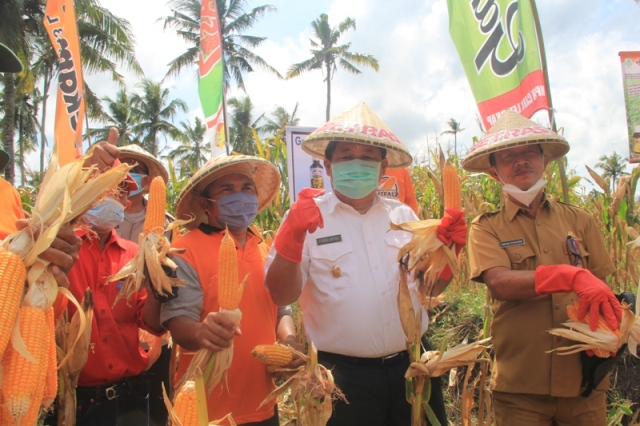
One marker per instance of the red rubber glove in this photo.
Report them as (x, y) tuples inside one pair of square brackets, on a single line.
[(304, 216), (595, 296), (452, 230)]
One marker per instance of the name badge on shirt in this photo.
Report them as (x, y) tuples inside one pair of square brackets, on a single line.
[(518, 242), (329, 240)]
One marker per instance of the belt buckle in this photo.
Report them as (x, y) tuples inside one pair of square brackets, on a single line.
[(389, 358), (111, 392)]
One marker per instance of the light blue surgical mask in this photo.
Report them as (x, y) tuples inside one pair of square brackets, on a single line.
[(137, 177), (355, 178), (105, 215), (236, 211)]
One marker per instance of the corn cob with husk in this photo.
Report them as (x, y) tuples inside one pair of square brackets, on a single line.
[(215, 364), (312, 390), (73, 339), (189, 407), (66, 193), (13, 274), (436, 363), (426, 255), (634, 332), (603, 342), (148, 266)]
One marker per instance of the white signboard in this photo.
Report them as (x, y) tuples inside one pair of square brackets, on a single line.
[(300, 163)]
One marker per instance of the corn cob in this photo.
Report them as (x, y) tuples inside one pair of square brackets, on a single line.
[(21, 377), (156, 207), (229, 289), (572, 313), (451, 184), (274, 355), (13, 274), (186, 404), (51, 378)]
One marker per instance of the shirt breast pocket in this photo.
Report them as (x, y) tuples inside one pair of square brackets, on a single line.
[(575, 256), (522, 258), (333, 264)]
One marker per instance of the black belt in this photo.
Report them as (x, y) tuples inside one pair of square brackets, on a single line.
[(391, 359), (112, 390)]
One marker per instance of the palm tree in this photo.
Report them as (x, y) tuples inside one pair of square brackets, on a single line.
[(152, 112), (28, 127), (234, 20), (242, 126), (327, 54), (280, 118), (454, 129), (120, 116), (192, 152), (612, 167)]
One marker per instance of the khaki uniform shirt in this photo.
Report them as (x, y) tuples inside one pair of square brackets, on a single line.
[(510, 238)]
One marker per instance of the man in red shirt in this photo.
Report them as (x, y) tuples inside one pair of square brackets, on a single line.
[(112, 388)]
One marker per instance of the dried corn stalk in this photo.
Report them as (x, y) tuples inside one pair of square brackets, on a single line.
[(312, 390), (147, 268), (215, 364), (602, 341)]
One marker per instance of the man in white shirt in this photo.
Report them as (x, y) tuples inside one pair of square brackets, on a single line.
[(336, 254)]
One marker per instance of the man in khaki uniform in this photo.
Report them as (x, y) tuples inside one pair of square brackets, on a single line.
[(537, 256)]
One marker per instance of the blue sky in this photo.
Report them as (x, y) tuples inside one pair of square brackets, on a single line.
[(420, 84)]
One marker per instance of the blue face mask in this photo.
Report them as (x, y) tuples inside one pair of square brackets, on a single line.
[(105, 215), (138, 178), (236, 211), (355, 178)]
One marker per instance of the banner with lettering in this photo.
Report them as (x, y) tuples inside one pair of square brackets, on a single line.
[(498, 46), (211, 65), (630, 62), (60, 22)]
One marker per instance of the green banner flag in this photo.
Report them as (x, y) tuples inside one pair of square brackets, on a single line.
[(498, 47)]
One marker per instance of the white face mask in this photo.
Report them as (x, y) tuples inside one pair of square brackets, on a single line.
[(524, 197)]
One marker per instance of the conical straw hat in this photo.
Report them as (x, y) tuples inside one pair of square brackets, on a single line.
[(358, 125), (265, 176), (513, 130), (135, 153)]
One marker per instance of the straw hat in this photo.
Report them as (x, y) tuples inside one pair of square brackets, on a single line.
[(264, 175), (359, 125), (513, 130), (9, 62), (135, 153)]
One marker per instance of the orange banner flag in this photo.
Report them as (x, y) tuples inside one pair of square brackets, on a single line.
[(60, 21)]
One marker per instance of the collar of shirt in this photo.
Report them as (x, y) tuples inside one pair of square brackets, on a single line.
[(512, 209), (332, 202)]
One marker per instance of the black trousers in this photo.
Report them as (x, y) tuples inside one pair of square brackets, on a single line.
[(159, 374)]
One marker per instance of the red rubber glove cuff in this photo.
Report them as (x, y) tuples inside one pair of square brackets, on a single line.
[(304, 216)]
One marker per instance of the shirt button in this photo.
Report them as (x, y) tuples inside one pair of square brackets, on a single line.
[(546, 250), (538, 223), (105, 340), (103, 311), (518, 257), (110, 366), (557, 306)]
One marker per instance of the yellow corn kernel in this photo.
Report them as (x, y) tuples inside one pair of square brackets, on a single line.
[(186, 404), (156, 207), (229, 289), (274, 355), (13, 274), (51, 376), (451, 185), (21, 377)]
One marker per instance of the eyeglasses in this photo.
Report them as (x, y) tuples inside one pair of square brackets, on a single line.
[(574, 251)]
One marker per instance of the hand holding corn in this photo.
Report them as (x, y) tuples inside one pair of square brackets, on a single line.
[(304, 216)]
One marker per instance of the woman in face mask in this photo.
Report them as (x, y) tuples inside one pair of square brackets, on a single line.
[(224, 197)]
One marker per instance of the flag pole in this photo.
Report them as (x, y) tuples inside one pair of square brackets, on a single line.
[(552, 121)]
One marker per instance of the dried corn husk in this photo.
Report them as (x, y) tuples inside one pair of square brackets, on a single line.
[(599, 340), (634, 336), (436, 363), (146, 268), (312, 389), (66, 193), (425, 255)]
